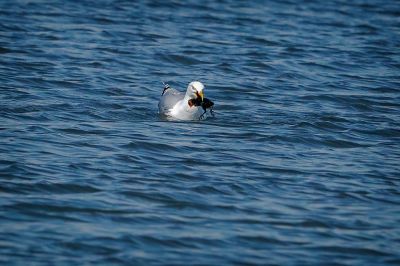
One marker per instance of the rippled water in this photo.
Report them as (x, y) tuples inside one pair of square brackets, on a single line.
[(300, 165)]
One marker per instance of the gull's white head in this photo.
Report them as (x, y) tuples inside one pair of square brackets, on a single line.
[(195, 90)]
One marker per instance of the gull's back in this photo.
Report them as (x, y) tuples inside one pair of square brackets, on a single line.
[(168, 100)]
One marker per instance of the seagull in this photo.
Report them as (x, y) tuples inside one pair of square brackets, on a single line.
[(183, 106)]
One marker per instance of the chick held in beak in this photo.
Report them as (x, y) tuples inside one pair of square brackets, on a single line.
[(200, 95)]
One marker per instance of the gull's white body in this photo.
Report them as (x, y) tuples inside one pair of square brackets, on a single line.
[(175, 104)]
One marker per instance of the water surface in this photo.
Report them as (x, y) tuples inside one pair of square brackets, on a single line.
[(300, 165)]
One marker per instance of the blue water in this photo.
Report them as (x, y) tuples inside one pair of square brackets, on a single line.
[(300, 166)]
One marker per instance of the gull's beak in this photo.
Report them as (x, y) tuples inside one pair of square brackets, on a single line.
[(200, 95)]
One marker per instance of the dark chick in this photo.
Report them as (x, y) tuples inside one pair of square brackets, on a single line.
[(205, 104)]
